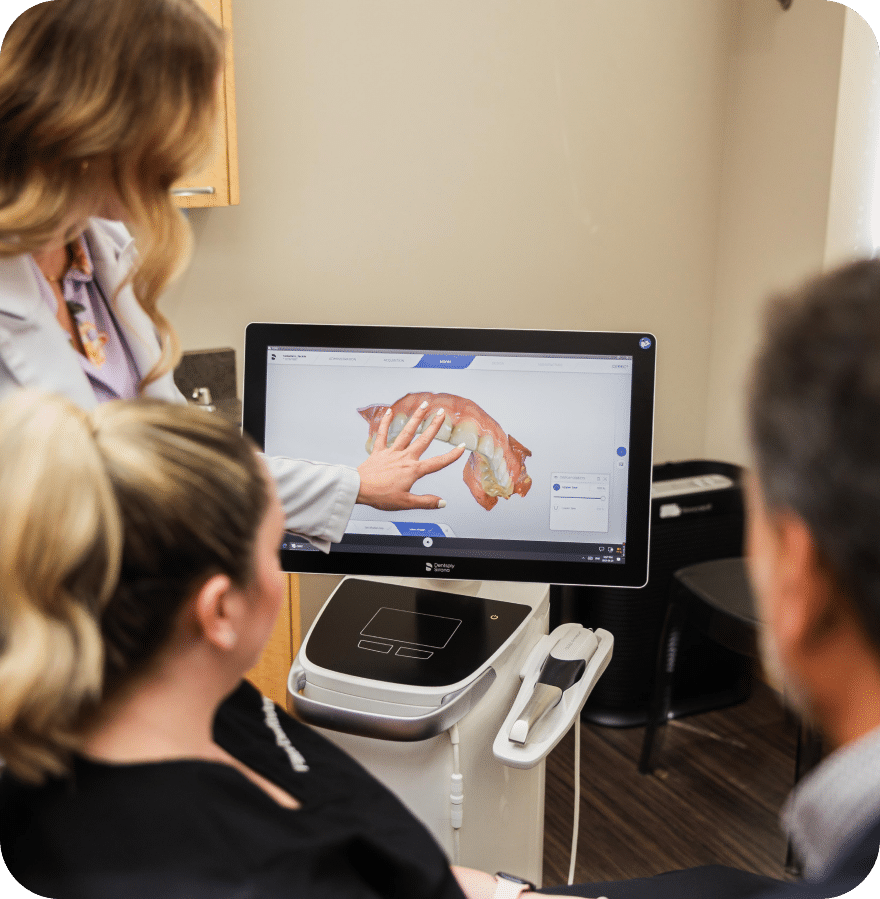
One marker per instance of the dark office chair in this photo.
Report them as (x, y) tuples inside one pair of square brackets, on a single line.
[(715, 598)]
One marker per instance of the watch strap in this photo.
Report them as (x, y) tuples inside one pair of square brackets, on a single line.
[(509, 887)]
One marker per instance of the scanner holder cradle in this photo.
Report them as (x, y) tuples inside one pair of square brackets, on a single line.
[(522, 745)]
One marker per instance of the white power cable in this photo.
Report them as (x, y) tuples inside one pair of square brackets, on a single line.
[(577, 797)]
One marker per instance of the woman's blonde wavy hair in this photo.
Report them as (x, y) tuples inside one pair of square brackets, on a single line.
[(111, 519), (104, 97)]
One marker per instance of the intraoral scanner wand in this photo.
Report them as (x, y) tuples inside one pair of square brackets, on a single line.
[(558, 675), (561, 670)]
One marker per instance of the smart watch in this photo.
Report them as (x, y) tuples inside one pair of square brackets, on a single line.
[(509, 886)]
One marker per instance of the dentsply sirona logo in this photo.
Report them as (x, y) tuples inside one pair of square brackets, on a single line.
[(428, 566), (645, 343)]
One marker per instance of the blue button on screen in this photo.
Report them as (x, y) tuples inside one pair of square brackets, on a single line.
[(448, 360), (418, 529)]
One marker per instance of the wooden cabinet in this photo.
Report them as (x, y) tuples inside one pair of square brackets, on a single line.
[(269, 675), (217, 183)]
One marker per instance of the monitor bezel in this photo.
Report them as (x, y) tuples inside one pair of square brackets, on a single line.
[(259, 336)]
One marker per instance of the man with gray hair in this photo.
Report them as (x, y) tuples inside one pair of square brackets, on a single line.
[(814, 551), (814, 558)]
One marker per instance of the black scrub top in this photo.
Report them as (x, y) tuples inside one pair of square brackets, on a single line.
[(190, 829)]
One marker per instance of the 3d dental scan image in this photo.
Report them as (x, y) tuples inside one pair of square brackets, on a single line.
[(496, 465)]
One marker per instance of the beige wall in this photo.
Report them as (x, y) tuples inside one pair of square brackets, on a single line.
[(578, 164), (499, 163), (780, 117)]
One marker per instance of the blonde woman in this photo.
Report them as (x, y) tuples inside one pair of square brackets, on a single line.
[(104, 104), (139, 577), (139, 580)]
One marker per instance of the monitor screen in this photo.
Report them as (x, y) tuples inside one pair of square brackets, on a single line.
[(554, 486)]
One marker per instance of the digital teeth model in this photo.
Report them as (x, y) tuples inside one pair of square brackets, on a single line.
[(496, 466)]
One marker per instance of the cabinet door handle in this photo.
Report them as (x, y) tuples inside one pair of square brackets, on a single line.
[(192, 191)]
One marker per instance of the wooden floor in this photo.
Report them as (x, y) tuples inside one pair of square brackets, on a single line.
[(718, 802)]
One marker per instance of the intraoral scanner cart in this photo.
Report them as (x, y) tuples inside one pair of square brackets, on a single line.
[(425, 687)]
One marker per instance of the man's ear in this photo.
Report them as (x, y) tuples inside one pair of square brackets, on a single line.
[(216, 611), (806, 608)]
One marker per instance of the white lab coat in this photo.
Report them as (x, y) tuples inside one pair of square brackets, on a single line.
[(35, 351)]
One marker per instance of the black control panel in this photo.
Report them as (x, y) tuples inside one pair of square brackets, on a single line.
[(408, 635)]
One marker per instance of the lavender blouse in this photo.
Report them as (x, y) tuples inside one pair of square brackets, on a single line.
[(107, 361)]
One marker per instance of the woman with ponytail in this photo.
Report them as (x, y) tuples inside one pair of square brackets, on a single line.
[(139, 580), (104, 105)]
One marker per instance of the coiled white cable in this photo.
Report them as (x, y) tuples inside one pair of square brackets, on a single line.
[(456, 795)]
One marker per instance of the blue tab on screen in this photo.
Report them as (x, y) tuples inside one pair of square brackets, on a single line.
[(418, 529), (444, 360)]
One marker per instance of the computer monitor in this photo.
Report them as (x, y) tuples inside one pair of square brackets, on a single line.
[(554, 486)]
